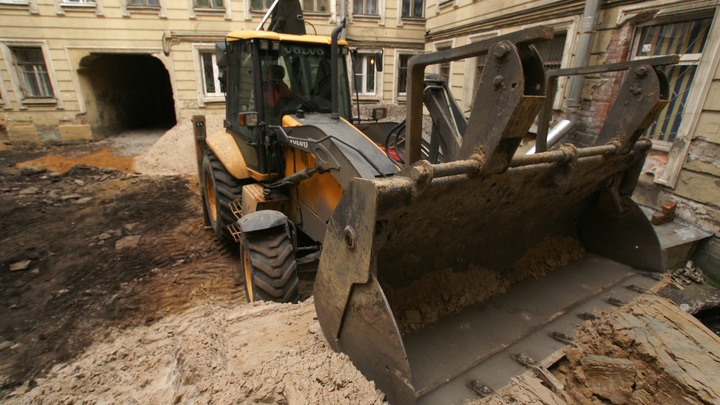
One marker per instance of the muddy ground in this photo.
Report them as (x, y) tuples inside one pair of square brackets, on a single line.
[(107, 250), (111, 290)]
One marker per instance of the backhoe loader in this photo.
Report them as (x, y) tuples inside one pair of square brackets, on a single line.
[(447, 264)]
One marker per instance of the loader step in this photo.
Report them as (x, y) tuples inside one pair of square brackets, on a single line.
[(478, 343), (678, 239)]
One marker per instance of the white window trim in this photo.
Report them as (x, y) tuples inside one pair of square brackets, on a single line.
[(30, 5), (570, 26), (378, 82), (204, 99), (226, 11), (6, 103), (127, 9), (439, 46), (662, 12), (15, 75), (96, 7), (471, 65), (396, 77)]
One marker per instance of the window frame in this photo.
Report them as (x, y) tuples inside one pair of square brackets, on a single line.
[(194, 10), (62, 6), (364, 94), (397, 95), (16, 79), (29, 5), (701, 86), (364, 14), (316, 12), (205, 98), (441, 46), (412, 7), (128, 9), (693, 59)]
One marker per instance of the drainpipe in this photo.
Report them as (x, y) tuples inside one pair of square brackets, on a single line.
[(582, 56), (334, 69)]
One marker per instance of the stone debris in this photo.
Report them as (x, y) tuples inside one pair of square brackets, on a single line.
[(29, 191), (83, 200), (688, 274), (127, 242), (70, 197), (79, 182), (23, 265)]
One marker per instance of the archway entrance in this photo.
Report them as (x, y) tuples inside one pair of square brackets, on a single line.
[(126, 92)]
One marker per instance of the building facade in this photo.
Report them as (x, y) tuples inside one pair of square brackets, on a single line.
[(83, 69)]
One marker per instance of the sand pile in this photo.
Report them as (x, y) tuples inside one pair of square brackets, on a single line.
[(254, 353), (174, 153)]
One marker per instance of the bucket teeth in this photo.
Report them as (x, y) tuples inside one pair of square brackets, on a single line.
[(587, 316), (479, 388), (525, 360), (562, 338), (616, 302)]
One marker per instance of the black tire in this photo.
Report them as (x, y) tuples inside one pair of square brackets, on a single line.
[(219, 188), (267, 260)]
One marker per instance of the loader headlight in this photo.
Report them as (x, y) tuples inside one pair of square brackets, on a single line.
[(276, 45), (248, 119), (379, 113), (264, 45)]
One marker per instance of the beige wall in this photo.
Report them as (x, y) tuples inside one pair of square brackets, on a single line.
[(70, 34)]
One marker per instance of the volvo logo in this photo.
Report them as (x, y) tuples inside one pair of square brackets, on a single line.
[(302, 144)]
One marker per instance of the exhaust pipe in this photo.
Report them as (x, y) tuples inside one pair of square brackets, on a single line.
[(334, 69)]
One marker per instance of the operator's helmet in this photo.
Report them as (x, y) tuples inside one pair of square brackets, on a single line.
[(277, 73)]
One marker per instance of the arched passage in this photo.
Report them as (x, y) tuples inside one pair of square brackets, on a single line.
[(126, 91)]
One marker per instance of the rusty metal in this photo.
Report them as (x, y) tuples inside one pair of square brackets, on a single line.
[(553, 75), (416, 74)]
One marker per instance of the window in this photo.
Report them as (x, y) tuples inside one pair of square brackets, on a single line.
[(211, 76), (402, 75), (364, 83), (147, 3), (91, 2), (33, 73), (551, 52), (260, 4), (413, 8), (315, 5), (687, 39), (367, 7), (209, 4)]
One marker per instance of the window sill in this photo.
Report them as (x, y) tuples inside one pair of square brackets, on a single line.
[(79, 6), (316, 14), (366, 17), (20, 5), (413, 20), (213, 99), (144, 9), (39, 101), (209, 11)]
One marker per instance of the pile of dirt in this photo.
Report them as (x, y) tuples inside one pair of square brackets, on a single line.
[(443, 292), (254, 353), (174, 153), (649, 352)]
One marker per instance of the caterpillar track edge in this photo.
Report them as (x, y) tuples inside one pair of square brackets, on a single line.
[(447, 264)]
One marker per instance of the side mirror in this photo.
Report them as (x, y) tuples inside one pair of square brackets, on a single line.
[(221, 54)]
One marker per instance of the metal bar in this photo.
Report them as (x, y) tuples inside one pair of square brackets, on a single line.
[(545, 115), (614, 67), (267, 15), (334, 76), (416, 72)]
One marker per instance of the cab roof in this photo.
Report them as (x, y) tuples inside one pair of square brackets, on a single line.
[(313, 39)]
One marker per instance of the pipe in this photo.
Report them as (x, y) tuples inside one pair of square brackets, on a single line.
[(267, 15), (334, 69), (582, 56), (555, 134)]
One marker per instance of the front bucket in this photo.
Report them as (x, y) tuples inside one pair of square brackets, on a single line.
[(422, 280)]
